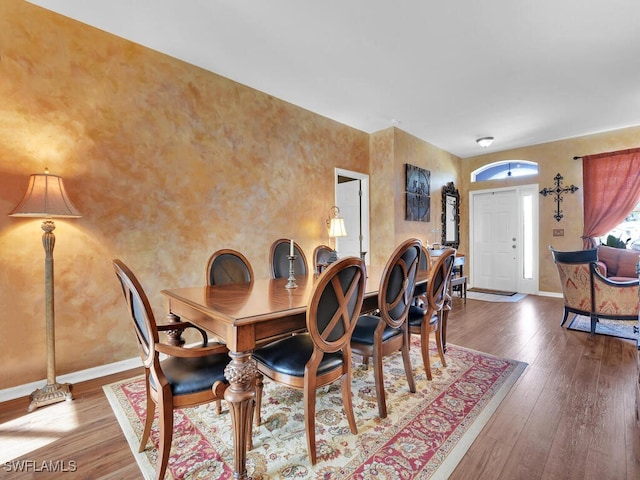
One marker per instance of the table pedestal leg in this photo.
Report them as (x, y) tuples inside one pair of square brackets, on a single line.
[(240, 395), (174, 337)]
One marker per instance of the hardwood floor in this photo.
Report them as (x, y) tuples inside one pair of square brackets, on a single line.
[(81, 439), (571, 415)]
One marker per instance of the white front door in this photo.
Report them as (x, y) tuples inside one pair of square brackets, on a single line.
[(504, 234), (495, 240)]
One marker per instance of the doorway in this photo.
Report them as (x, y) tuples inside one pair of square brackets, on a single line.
[(352, 198), (503, 235)]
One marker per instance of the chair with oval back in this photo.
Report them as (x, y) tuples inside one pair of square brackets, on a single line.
[(187, 377), (321, 256), (228, 266), (278, 256), (376, 336), (424, 265), (428, 319), (322, 355)]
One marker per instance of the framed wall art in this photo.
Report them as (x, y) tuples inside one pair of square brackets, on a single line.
[(418, 202)]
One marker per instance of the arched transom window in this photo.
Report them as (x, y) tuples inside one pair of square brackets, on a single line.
[(504, 169)]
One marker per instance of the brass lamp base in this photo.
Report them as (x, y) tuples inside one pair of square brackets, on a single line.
[(50, 393)]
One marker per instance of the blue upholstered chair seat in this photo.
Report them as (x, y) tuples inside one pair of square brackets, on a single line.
[(290, 355), (363, 333), (416, 316), (191, 375)]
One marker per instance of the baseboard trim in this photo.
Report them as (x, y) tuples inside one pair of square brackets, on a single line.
[(74, 377), (550, 294)]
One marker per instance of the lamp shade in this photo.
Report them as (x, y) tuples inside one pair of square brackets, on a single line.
[(45, 197), (336, 228)]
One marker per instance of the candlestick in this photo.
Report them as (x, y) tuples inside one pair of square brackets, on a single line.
[(291, 248), (291, 283)]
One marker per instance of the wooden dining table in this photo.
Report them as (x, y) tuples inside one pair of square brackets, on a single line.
[(245, 315)]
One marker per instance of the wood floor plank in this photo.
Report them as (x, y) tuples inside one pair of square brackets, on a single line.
[(632, 441), (518, 406), (484, 458), (532, 446), (608, 426)]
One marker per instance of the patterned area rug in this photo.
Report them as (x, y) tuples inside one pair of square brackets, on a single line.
[(613, 328), (423, 437)]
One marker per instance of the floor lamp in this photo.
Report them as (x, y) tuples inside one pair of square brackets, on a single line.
[(46, 198), (335, 224)]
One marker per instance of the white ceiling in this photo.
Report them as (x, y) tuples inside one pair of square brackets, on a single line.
[(447, 71)]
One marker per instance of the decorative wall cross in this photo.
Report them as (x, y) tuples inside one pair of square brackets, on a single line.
[(558, 191)]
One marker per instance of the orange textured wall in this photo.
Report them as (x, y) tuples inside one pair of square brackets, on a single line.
[(390, 150), (166, 162), (443, 167), (381, 196)]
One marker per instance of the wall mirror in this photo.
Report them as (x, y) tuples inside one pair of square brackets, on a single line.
[(450, 216)]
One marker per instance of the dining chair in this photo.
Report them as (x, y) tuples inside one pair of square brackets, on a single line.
[(428, 319), (424, 265), (376, 336), (224, 267), (228, 266), (186, 377), (278, 256), (321, 256), (321, 355)]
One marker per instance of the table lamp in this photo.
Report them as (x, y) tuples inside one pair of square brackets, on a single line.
[(46, 198)]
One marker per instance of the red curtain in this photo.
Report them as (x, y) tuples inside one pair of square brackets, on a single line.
[(611, 191)]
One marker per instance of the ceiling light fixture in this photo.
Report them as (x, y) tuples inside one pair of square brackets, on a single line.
[(485, 141)]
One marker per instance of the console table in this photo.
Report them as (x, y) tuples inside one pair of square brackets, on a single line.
[(458, 278)]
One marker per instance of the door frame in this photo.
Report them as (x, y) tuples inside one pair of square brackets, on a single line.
[(524, 285), (364, 214)]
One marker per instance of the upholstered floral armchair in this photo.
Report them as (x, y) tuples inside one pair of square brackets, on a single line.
[(587, 292)]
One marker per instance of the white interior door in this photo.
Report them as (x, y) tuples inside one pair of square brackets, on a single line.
[(352, 198), (495, 240)]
